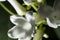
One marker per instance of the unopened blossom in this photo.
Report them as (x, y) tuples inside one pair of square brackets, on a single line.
[(17, 6), (51, 14), (24, 26)]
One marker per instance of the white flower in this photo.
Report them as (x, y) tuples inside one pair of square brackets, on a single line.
[(53, 25), (24, 27), (28, 2), (52, 15), (17, 6)]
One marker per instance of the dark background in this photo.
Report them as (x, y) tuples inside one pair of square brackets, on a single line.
[(5, 24)]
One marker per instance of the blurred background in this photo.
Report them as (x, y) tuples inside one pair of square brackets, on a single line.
[(5, 24)]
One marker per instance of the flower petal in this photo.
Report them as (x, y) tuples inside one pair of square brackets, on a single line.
[(30, 17), (44, 10), (57, 4), (26, 25), (55, 17), (27, 38), (21, 31), (16, 32), (17, 20), (53, 25)]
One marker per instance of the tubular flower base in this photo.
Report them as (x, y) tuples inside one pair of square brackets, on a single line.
[(23, 28), (17, 6)]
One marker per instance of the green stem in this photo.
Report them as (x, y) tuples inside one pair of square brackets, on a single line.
[(35, 8), (39, 33), (10, 12)]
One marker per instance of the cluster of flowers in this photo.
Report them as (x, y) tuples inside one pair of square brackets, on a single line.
[(25, 26)]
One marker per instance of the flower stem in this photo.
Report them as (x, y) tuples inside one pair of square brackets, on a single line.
[(39, 33), (35, 8), (10, 12)]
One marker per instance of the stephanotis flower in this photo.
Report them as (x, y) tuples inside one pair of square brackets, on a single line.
[(24, 26), (52, 14)]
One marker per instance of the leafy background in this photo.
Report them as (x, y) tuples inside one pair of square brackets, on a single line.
[(5, 24)]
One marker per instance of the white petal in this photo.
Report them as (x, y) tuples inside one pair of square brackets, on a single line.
[(16, 6), (51, 24), (27, 26), (16, 32), (55, 17), (21, 31), (17, 20), (29, 16), (27, 38)]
